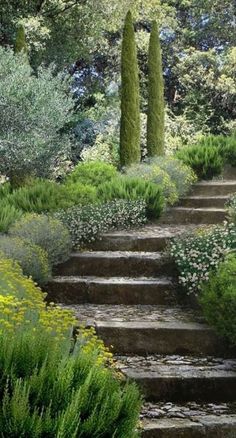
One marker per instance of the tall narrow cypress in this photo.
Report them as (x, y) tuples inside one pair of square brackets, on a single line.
[(156, 105), (130, 151), (20, 43)]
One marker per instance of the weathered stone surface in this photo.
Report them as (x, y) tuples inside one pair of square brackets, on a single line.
[(148, 238), (181, 382), (114, 290), (174, 428), (208, 427), (151, 329), (204, 201), (189, 410), (119, 263), (214, 188), (184, 215)]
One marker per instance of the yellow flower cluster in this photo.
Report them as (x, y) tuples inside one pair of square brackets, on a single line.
[(23, 306)]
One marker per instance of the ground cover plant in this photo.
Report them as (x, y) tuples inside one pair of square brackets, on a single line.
[(197, 254), (87, 223)]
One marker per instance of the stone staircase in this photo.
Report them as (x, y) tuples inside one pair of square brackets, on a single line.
[(126, 287)]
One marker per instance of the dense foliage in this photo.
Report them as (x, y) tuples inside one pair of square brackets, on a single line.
[(46, 232), (48, 378), (196, 255), (130, 110), (87, 223), (124, 187), (34, 111), (92, 173), (218, 299), (32, 258), (155, 174), (205, 161), (156, 106)]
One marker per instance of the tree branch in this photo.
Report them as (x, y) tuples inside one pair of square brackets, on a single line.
[(39, 6), (53, 12)]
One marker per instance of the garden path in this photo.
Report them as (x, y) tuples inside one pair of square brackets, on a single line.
[(126, 287)]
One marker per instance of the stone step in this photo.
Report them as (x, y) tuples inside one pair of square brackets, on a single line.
[(204, 201), (190, 420), (114, 290), (214, 188), (117, 264), (182, 378), (183, 215), (150, 238), (151, 329)]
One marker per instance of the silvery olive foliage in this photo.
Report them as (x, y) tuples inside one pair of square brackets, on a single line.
[(34, 110), (86, 223)]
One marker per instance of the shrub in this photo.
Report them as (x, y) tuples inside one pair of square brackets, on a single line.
[(78, 193), (155, 174), (92, 173), (41, 196), (205, 161), (35, 108), (133, 189), (86, 223), (180, 174), (46, 232), (218, 299), (32, 258), (8, 215), (195, 255), (225, 145), (12, 282), (5, 189), (51, 386), (105, 150), (47, 393)]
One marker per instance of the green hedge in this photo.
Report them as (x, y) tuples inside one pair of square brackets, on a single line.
[(218, 299)]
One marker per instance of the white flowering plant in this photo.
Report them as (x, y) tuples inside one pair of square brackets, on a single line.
[(87, 223), (196, 255)]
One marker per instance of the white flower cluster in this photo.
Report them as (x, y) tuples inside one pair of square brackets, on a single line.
[(198, 254), (86, 223)]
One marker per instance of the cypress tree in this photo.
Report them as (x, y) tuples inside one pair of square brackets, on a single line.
[(20, 43), (156, 105), (130, 111)]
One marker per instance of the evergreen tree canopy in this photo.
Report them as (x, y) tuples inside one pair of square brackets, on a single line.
[(155, 115), (130, 111), (20, 43)]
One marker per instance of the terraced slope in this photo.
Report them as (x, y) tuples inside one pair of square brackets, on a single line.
[(126, 287)]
